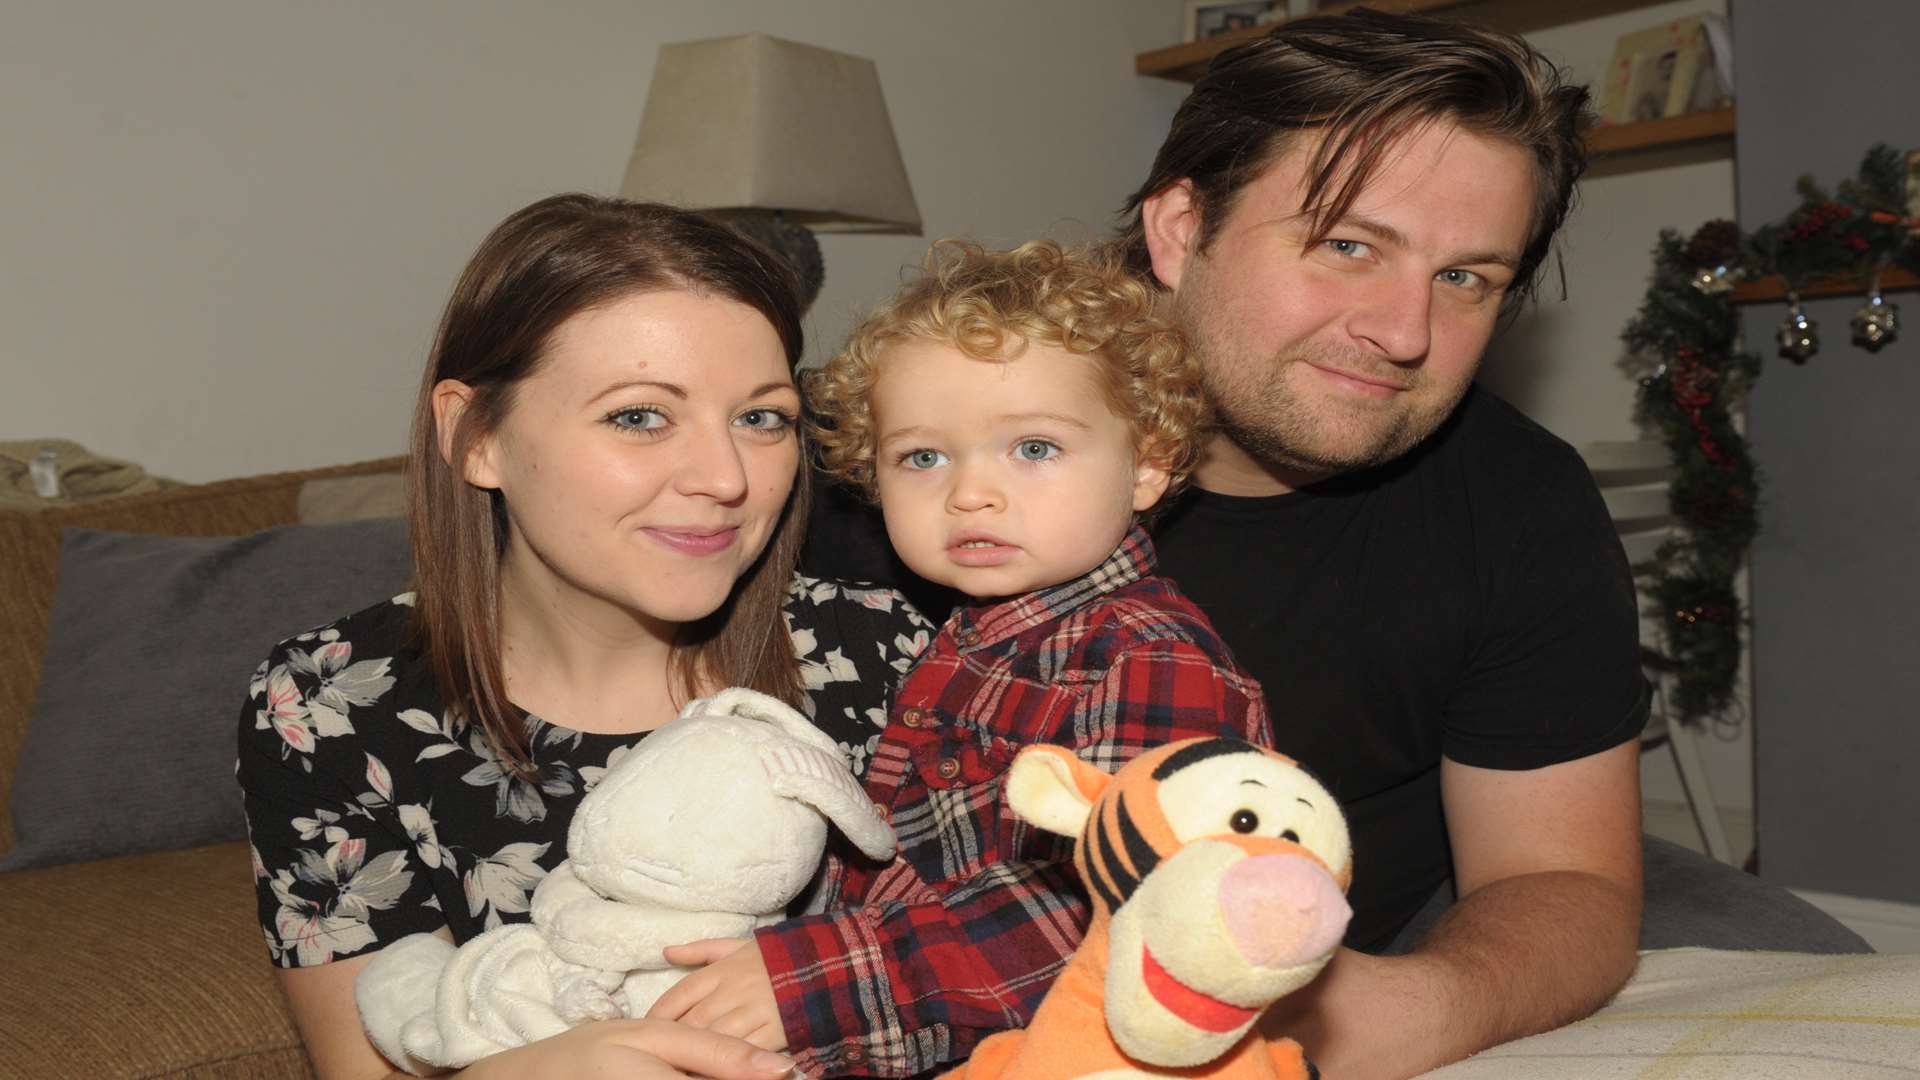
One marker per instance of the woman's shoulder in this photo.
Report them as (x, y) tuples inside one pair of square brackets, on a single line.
[(830, 619), (380, 627)]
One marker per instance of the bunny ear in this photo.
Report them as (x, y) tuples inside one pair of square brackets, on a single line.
[(821, 780), (754, 705)]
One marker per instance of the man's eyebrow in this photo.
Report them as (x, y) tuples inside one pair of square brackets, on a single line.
[(1387, 234)]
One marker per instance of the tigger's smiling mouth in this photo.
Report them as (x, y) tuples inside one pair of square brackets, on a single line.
[(1203, 1011)]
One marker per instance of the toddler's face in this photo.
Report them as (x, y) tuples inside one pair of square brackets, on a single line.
[(998, 478)]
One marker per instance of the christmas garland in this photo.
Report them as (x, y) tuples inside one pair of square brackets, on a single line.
[(1687, 333)]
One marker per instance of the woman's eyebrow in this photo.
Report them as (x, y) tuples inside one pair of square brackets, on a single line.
[(627, 384)]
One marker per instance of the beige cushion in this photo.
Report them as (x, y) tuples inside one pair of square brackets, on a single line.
[(147, 965), (1691, 1014), (334, 499)]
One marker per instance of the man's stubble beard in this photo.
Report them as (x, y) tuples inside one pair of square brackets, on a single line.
[(1265, 418)]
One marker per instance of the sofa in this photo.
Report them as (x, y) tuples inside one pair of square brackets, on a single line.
[(140, 964), (151, 963)]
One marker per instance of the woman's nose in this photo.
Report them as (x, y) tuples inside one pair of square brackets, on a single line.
[(712, 467)]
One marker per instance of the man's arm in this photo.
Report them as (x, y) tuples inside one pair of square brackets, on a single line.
[(1547, 862)]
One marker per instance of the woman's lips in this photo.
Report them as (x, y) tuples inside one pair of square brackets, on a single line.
[(694, 541)]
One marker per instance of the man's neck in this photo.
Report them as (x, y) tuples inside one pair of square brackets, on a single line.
[(1227, 469)]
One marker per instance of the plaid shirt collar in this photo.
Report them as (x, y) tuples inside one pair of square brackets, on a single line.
[(980, 624)]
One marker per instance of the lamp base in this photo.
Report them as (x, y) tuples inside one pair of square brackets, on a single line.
[(795, 244)]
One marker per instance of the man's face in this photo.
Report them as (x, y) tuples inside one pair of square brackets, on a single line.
[(1328, 356)]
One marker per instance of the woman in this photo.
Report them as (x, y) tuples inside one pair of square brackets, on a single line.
[(606, 494)]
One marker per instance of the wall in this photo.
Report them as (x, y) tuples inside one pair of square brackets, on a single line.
[(1562, 362), (1836, 601), (229, 225)]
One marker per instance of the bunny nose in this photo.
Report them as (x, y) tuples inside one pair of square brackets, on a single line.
[(1283, 910)]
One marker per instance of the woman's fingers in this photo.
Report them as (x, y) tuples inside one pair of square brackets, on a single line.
[(673, 1050)]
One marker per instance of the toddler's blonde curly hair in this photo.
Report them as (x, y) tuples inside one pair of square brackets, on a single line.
[(989, 305)]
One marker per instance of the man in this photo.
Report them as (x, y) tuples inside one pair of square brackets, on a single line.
[(1425, 583)]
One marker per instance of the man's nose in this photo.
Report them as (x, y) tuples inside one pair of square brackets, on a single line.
[(1397, 320)]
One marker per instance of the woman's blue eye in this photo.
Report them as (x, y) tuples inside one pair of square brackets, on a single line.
[(765, 420), (637, 419), (1036, 450), (924, 459)]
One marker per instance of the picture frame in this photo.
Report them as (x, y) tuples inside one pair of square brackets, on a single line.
[(1211, 18), (1661, 71)]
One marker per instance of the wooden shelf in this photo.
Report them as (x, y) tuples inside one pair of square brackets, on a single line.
[(1694, 127), (1186, 62), (1761, 290)]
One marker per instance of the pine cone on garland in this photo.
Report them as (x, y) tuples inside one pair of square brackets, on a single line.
[(1717, 243)]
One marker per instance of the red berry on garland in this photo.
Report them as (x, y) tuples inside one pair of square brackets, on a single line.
[(1855, 241)]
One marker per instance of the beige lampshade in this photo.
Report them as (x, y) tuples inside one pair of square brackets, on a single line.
[(754, 121)]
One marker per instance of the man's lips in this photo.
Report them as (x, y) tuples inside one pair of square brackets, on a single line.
[(691, 540), (1201, 1010), (1380, 385)]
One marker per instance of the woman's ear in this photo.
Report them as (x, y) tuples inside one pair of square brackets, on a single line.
[(450, 398), (1170, 218)]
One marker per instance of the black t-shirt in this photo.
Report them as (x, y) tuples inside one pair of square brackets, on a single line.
[(1470, 599)]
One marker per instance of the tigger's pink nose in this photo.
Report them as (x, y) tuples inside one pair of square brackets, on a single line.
[(1283, 910)]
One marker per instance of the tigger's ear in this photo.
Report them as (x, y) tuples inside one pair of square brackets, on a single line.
[(1051, 788)]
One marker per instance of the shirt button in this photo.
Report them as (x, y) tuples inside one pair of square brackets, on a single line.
[(880, 811), (913, 718), (948, 768), (855, 1055), (970, 638)]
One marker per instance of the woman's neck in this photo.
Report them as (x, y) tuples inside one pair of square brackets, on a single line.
[(575, 660)]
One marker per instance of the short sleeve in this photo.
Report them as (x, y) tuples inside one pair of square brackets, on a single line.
[(1554, 672), (335, 871)]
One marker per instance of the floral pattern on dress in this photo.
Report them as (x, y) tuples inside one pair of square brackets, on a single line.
[(373, 815)]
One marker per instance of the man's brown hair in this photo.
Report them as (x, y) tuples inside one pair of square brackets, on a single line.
[(1361, 81)]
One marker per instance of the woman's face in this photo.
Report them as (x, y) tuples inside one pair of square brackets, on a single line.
[(647, 459)]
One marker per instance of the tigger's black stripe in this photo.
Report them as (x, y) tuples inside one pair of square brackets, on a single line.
[(1201, 751), (1097, 873), (1124, 882), (1139, 852)]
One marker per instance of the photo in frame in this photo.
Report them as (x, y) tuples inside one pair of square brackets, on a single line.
[(1662, 71), (1211, 18)]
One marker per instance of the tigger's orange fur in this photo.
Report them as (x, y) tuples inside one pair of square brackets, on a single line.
[(1216, 889)]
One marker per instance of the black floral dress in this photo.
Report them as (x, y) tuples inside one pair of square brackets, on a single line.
[(373, 817)]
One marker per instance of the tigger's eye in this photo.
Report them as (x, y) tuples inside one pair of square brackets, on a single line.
[(1291, 836), (1244, 821)]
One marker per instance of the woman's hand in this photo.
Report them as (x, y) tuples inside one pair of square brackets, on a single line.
[(634, 1050), (731, 993)]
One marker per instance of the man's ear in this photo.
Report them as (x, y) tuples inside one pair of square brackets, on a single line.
[(1150, 477), (450, 398), (1171, 219)]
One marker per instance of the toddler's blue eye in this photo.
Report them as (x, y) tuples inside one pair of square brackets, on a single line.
[(1037, 450), (925, 459)]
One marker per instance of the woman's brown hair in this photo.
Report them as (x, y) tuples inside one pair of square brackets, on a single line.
[(540, 267), (1361, 80)]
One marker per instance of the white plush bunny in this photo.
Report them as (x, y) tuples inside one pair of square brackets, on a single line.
[(708, 828)]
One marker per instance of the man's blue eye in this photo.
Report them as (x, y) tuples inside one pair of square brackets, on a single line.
[(1347, 247), (1037, 450)]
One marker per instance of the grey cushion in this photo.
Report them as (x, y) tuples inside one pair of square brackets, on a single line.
[(150, 646)]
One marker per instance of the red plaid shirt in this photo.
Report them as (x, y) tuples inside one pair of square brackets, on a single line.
[(963, 932)]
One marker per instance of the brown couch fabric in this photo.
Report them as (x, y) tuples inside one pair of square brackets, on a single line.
[(141, 971)]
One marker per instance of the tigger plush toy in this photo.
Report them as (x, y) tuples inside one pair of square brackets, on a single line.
[(1218, 872)]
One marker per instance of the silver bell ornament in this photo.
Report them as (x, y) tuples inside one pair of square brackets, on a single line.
[(1799, 336), (1717, 281), (1876, 322)]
